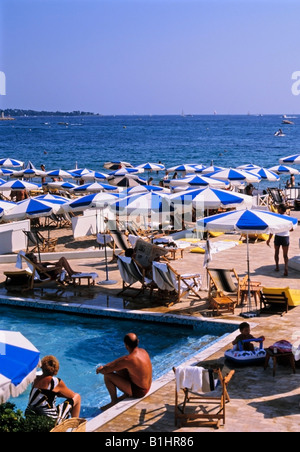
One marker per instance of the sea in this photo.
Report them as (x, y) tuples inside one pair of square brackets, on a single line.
[(69, 142)]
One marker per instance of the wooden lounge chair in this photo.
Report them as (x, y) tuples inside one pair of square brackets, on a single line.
[(221, 283), (206, 407), (39, 243), (131, 273), (273, 302), (30, 277), (168, 279)]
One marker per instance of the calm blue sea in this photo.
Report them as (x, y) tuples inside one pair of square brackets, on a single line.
[(90, 141)]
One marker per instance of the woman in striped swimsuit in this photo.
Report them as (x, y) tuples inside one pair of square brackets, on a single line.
[(46, 388)]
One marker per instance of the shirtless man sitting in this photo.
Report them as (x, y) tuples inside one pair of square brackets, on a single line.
[(132, 373)]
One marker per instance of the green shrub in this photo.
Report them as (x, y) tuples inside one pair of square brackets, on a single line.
[(13, 421)]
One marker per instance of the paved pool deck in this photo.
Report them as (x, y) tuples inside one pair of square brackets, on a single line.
[(259, 401)]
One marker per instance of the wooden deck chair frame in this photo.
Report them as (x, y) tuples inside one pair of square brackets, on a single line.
[(120, 242), (185, 410), (39, 242), (34, 276), (215, 283), (134, 273), (183, 283)]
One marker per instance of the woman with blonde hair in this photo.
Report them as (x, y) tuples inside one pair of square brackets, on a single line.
[(45, 390)]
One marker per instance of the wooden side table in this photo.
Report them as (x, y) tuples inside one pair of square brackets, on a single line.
[(274, 356), (222, 304), (255, 289)]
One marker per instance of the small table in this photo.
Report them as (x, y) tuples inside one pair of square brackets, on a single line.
[(174, 251), (255, 289), (274, 356), (222, 303), (76, 279)]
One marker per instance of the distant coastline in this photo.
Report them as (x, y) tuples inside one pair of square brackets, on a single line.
[(12, 112)]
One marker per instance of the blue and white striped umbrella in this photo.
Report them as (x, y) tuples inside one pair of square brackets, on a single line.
[(19, 185), (212, 169), (94, 188), (144, 189), (211, 198), (198, 181), (265, 174), (151, 166), (125, 171), (248, 167), (59, 173), (31, 208), (10, 163), (290, 160), (19, 360), (57, 200), (60, 185), (29, 173), (94, 175), (187, 168), (248, 222), (143, 203), (282, 169), (235, 176), (94, 200)]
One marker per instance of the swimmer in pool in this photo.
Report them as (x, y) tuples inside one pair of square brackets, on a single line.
[(132, 373)]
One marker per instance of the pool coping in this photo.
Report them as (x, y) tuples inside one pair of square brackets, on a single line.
[(86, 309)]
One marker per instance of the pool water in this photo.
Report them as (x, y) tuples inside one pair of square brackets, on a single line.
[(82, 343)]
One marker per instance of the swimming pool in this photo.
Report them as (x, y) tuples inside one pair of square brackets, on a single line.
[(82, 343)]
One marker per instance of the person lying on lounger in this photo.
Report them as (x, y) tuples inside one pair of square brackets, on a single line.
[(132, 374), (53, 269)]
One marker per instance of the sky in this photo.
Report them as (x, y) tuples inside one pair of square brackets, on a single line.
[(151, 56)]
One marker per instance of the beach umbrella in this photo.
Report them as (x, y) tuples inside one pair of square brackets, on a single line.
[(6, 172), (29, 173), (19, 360), (79, 172), (30, 208), (90, 201), (2, 181), (17, 185), (211, 198), (212, 169), (282, 169), (248, 222), (290, 160), (94, 175), (94, 188), (151, 166), (235, 176), (248, 167), (60, 185), (142, 202), (129, 180), (116, 164), (265, 174), (6, 206), (145, 189), (59, 173), (187, 168), (57, 200), (198, 181), (10, 163), (125, 171)]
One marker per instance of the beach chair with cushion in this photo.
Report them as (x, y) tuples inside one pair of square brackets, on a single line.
[(131, 273), (201, 395), (168, 279)]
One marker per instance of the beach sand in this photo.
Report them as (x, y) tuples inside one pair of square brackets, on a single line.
[(259, 401)]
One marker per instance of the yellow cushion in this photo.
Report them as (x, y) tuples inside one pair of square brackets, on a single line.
[(293, 295), (197, 250), (273, 209), (215, 234)]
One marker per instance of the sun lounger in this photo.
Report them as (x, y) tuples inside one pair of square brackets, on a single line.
[(168, 279), (131, 273)]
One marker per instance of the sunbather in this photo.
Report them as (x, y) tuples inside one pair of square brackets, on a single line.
[(52, 268)]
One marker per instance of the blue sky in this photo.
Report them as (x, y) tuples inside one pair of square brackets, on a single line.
[(150, 56)]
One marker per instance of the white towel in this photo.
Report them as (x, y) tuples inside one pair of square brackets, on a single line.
[(84, 275), (194, 378), (19, 259)]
